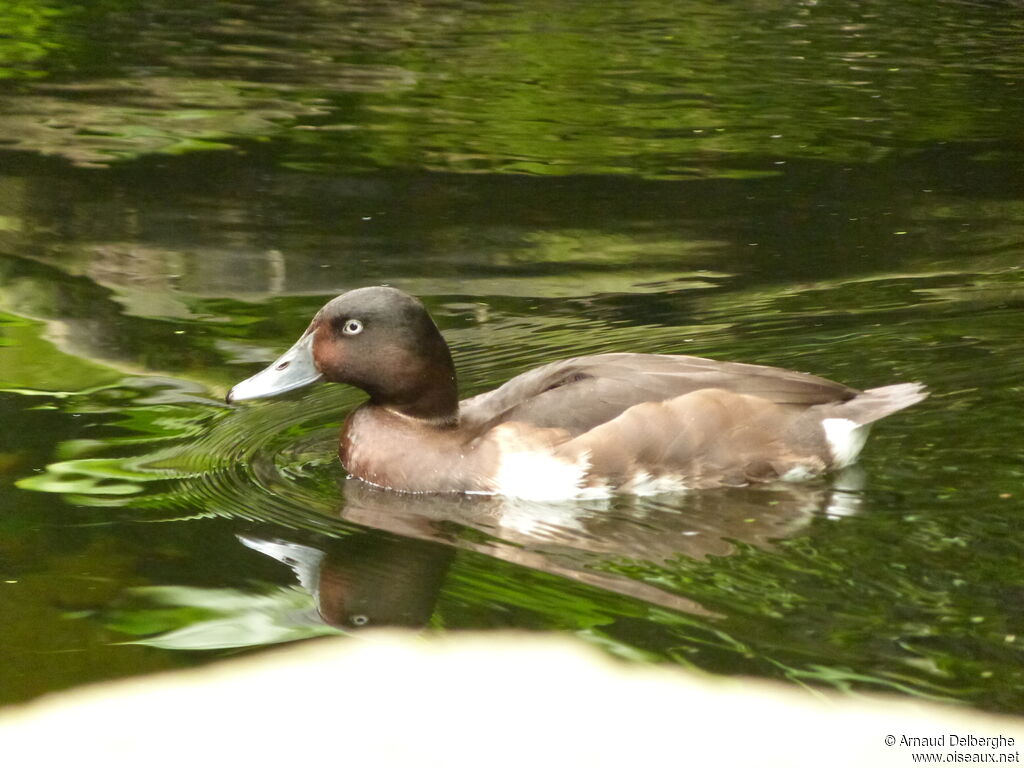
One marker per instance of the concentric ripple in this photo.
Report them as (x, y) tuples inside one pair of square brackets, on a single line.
[(273, 462)]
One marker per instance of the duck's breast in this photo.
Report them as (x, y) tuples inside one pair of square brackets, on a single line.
[(400, 453)]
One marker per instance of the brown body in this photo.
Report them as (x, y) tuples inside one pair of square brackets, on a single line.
[(625, 422)]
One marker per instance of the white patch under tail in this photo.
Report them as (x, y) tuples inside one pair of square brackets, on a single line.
[(845, 440)]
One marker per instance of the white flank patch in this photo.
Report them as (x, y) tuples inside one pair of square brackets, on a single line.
[(845, 439), (539, 476)]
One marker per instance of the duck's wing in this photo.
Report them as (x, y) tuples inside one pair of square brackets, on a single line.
[(580, 393)]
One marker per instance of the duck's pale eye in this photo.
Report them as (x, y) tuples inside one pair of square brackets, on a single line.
[(352, 327)]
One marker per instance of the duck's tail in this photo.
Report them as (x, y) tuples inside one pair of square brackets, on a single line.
[(846, 425), (874, 404)]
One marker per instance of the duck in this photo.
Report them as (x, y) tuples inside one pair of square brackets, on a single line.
[(584, 427)]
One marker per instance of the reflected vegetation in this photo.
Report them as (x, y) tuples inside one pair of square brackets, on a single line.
[(510, 87), (830, 187)]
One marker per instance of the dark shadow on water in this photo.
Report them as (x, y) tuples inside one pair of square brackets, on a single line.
[(391, 571)]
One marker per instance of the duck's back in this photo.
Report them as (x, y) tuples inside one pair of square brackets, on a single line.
[(582, 393)]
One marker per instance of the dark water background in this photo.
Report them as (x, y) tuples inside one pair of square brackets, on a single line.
[(828, 185)]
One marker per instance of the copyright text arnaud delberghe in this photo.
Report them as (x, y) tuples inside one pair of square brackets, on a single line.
[(958, 748)]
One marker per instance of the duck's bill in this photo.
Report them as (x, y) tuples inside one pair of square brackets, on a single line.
[(292, 370)]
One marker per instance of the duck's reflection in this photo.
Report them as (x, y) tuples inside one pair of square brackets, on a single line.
[(370, 579), (366, 580)]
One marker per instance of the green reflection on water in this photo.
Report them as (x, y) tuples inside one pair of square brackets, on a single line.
[(639, 88), (28, 38), (210, 619), (33, 363)]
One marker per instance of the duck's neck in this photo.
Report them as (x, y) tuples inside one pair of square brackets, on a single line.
[(427, 389), (437, 404)]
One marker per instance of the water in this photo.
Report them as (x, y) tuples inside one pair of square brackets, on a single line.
[(831, 187)]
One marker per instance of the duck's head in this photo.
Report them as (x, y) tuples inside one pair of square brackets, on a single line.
[(378, 339)]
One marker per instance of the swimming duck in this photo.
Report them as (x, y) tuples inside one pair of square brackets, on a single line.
[(582, 427)]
